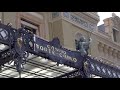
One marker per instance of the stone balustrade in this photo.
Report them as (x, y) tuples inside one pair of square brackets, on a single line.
[(109, 50)]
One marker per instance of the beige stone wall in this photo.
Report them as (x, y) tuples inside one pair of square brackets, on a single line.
[(10, 17), (110, 23), (68, 35), (93, 46), (57, 31), (69, 32)]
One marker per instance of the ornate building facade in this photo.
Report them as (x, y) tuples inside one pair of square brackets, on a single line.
[(109, 40), (69, 27)]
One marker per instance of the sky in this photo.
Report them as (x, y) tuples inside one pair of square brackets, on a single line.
[(104, 15)]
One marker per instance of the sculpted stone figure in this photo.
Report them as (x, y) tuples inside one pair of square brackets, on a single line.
[(83, 45)]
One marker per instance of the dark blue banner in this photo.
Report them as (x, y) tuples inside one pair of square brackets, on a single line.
[(55, 52)]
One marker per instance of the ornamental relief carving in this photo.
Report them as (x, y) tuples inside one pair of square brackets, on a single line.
[(79, 21)]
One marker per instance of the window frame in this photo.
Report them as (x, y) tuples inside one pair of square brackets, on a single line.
[(30, 25), (114, 30), (35, 20)]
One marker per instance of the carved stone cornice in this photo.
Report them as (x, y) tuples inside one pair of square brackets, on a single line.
[(93, 15), (81, 20)]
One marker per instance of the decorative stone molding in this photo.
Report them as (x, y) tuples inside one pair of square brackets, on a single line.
[(54, 16), (79, 21), (93, 14), (36, 15)]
